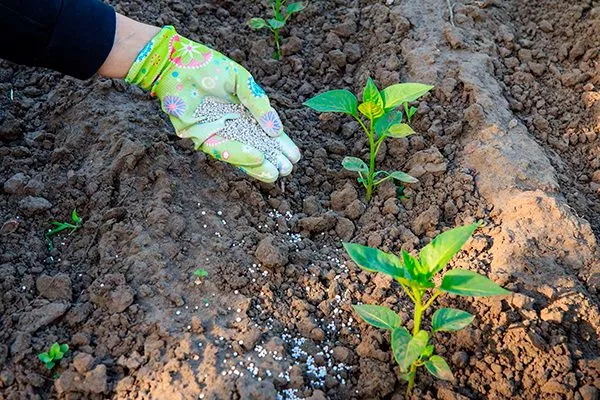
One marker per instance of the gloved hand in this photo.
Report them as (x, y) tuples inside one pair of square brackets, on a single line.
[(183, 74)]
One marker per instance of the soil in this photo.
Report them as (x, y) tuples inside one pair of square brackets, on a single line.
[(509, 135)]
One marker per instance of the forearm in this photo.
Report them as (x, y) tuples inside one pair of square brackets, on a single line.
[(130, 38), (70, 36)]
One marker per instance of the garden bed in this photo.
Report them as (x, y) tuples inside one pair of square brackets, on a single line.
[(509, 135)]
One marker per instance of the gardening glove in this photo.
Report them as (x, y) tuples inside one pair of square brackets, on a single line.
[(183, 73)]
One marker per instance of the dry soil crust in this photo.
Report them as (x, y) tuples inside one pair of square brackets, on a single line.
[(273, 319)]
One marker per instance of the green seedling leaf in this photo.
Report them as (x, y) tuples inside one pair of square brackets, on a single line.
[(419, 341), (403, 177), (378, 316), (44, 357), (75, 217), (410, 263), (371, 94), (400, 131), (416, 271), (370, 110), (55, 353), (439, 368), (355, 164), (411, 111), (200, 273), (61, 226), (400, 339), (294, 8), (382, 125), (450, 319), (469, 283), (54, 350), (257, 23), (400, 93), (275, 23), (374, 260), (400, 195), (342, 101), (444, 246), (427, 351), (407, 349)]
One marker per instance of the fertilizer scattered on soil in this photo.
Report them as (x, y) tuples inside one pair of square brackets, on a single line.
[(244, 129)]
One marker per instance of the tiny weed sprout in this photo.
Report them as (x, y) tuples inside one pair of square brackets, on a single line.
[(384, 120), (61, 226), (281, 14), (414, 274), (56, 353), (200, 273)]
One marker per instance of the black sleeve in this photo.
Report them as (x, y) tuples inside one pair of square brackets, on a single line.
[(70, 36)]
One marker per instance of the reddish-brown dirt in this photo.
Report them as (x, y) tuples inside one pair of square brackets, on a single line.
[(509, 135)]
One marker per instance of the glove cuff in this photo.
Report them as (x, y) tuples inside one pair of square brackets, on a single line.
[(152, 60)]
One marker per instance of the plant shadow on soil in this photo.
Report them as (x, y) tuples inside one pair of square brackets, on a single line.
[(276, 304)]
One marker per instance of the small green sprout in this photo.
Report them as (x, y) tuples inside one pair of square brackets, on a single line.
[(61, 226), (281, 14), (56, 353), (415, 276), (384, 119), (200, 273), (409, 112)]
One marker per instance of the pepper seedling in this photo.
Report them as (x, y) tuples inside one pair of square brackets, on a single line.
[(56, 353), (384, 120), (281, 14), (61, 226), (415, 274)]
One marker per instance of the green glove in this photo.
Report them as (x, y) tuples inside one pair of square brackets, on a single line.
[(184, 75)]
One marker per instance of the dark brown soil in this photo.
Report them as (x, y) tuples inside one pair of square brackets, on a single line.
[(509, 135)]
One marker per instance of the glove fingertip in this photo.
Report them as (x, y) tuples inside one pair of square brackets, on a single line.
[(284, 165), (289, 148)]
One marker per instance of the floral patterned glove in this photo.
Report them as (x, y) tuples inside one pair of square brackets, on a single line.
[(183, 73)]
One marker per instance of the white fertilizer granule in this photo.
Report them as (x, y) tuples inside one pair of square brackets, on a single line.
[(244, 129)]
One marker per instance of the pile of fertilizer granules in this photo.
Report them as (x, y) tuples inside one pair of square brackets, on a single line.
[(244, 129)]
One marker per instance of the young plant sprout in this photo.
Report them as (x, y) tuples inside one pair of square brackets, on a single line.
[(61, 226), (384, 120), (56, 353), (281, 14), (200, 273), (415, 274)]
